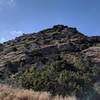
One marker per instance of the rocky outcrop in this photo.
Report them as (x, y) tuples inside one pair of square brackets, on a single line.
[(33, 48), (93, 53)]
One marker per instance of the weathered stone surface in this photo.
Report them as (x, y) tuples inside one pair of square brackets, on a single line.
[(93, 53)]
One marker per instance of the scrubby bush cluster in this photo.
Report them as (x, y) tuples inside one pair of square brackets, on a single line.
[(59, 77)]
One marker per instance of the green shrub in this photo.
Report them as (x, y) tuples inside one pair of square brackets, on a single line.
[(84, 46), (57, 77)]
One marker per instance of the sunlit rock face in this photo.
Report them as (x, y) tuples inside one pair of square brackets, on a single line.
[(93, 53)]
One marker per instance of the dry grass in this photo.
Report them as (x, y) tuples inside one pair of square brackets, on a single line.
[(9, 93)]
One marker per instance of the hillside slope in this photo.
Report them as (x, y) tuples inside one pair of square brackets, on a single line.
[(47, 42), (60, 60)]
